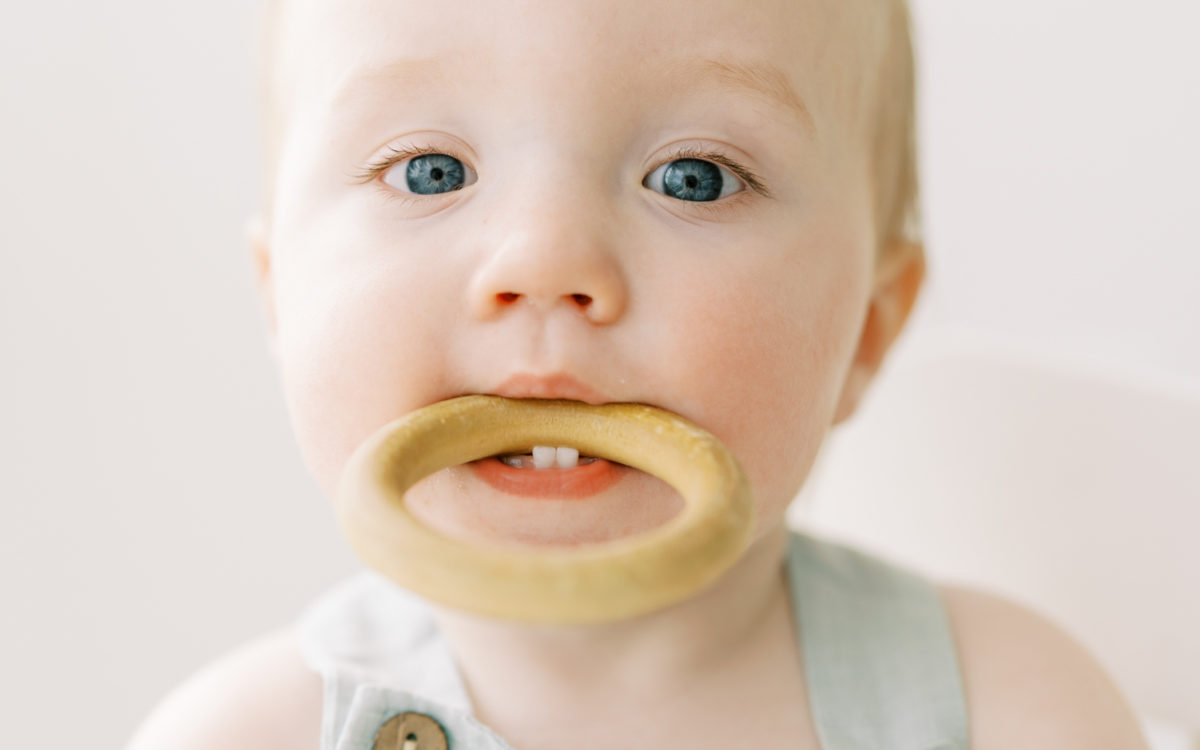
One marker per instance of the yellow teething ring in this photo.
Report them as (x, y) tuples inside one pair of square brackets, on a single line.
[(593, 583)]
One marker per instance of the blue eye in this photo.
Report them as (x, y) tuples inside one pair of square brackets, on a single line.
[(693, 180), (430, 174)]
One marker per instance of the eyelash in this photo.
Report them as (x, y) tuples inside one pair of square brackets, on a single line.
[(375, 170)]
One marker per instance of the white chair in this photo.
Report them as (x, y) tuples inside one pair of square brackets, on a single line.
[(1075, 492)]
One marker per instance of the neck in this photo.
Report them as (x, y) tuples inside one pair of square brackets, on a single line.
[(653, 655)]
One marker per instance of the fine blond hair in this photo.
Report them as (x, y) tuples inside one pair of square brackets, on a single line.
[(892, 132)]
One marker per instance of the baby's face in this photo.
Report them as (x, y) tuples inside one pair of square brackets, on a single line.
[(661, 202)]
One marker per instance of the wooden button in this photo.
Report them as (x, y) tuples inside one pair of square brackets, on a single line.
[(411, 731)]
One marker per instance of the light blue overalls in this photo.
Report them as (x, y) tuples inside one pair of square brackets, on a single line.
[(880, 661)]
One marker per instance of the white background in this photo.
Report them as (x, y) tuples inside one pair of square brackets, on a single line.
[(155, 510)]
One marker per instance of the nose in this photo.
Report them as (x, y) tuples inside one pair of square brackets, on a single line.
[(549, 263)]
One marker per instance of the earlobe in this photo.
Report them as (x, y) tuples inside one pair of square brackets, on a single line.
[(898, 279), (258, 241)]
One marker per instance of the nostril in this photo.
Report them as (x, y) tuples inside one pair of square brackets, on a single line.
[(504, 299)]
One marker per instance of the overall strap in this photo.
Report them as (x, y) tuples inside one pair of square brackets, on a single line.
[(878, 652)]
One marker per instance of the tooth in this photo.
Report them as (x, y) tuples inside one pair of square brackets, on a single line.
[(543, 456), (566, 458)]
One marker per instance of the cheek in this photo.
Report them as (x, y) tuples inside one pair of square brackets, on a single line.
[(356, 350), (763, 363)]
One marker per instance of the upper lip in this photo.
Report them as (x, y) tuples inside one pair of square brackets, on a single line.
[(557, 385)]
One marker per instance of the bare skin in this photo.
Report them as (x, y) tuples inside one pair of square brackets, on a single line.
[(556, 256), (741, 665)]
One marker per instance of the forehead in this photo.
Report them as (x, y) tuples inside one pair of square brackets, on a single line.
[(802, 58)]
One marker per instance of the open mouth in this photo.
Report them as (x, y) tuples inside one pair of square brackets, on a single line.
[(544, 457), (549, 472)]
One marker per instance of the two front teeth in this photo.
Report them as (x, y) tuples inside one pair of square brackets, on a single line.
[(546, 457)]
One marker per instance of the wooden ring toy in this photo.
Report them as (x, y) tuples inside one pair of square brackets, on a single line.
[(585, 584)]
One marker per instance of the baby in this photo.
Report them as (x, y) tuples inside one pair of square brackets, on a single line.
[(708, 207)]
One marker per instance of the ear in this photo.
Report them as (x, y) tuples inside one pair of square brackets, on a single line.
[(259, 243), (898, 278)]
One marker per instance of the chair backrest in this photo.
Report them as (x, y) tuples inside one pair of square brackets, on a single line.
[(1074, 492)]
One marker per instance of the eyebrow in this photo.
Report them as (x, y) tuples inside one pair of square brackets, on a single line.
[(764, 80), (767, 81), (409, 72)]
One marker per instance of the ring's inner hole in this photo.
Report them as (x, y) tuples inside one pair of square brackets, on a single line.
[(459, 505)]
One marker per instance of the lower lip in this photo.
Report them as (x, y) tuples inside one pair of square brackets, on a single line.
[(578, 483)]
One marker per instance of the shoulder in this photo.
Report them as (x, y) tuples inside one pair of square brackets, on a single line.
[(262, 695), (1029, 684)]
